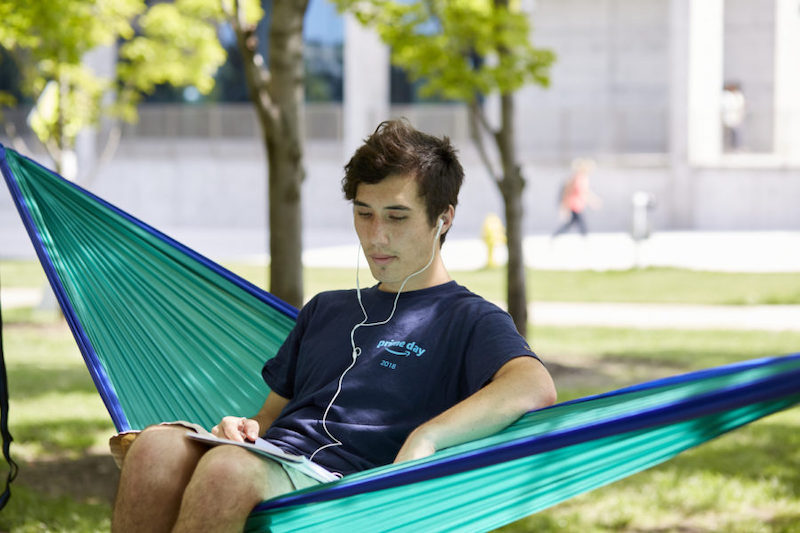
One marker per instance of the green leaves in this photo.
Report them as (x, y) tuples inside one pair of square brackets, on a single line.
[(457, 48), (64, 30), (67, 106), (176, 44)]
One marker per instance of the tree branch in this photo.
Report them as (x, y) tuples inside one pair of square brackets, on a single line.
[(16, 139), (110, 148), (479, 124), (256, 75)]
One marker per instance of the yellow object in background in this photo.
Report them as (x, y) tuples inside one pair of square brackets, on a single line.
[(493, 234)]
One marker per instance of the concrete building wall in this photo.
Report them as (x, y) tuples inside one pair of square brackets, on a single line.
[(611, 98), (609, 89)]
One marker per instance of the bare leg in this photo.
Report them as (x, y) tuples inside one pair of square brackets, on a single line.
[(227, 483), (154, 475)]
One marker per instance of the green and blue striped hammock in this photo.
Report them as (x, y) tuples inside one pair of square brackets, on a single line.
[(169, 335)]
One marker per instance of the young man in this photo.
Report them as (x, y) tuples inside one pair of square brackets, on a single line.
[(367, 377)]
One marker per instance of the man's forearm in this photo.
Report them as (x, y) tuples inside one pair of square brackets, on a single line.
[(520, 386), (270, 411)]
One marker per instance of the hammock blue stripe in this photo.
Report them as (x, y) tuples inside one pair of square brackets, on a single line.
[(96, 370), (717, 401)]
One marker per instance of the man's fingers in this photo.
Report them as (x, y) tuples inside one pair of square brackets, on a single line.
[(250, 429), (231, 427)]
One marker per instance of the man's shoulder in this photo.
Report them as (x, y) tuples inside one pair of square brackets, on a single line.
[(331, 296), (325, 300), (463, 300)]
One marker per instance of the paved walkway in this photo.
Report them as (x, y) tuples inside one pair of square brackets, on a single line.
[(758, 251), (742, 251), (20, 297)]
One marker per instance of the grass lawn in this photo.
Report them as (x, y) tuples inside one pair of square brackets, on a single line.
[(747, 481), (650, 285)]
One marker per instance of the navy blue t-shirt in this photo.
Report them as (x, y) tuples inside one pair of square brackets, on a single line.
[(442, 345)]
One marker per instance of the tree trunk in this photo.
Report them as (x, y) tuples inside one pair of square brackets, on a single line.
[(284, 144), (511, 187)]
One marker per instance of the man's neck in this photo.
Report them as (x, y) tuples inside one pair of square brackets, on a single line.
[(435, 275)]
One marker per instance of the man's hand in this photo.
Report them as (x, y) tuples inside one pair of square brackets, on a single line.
[(237, 428), (242, 429)]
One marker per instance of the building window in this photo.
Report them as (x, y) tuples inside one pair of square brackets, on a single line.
[(323, 34)]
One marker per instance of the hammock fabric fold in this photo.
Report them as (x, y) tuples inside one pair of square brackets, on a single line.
[(168, 334)]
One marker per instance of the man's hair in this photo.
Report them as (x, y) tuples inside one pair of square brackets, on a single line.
[(398, 148)]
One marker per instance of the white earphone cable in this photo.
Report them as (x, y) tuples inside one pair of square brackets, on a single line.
[(356, 349)]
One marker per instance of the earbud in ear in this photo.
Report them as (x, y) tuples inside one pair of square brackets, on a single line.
[(441, 223)]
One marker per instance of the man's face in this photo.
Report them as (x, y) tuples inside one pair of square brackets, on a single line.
[(392, 225)]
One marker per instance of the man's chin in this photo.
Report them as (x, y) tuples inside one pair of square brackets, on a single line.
[(386, 281), (378, 273)]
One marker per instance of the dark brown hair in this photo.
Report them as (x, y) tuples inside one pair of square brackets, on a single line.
[(398, 148)]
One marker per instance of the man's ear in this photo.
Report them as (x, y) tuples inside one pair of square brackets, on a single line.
[(447, 217)]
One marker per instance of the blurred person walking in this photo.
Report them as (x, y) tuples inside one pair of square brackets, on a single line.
[(576, 196)]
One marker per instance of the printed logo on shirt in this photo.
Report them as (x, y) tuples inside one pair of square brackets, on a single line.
[(401, 348)]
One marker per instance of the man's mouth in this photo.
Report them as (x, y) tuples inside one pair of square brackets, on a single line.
[(381, 259)]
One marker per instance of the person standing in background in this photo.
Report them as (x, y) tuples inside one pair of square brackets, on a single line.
[(732, 114)]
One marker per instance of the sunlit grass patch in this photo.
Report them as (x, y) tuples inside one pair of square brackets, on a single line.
[(649, 285), (54, 406), (21, 273), (31, 512)]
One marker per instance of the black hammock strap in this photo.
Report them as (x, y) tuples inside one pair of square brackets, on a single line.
[(6, 434)]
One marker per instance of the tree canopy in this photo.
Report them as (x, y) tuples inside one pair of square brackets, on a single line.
[(173, 43), (457, 48)]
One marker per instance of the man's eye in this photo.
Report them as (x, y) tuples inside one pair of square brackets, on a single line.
[(394, 218), (364, 214)]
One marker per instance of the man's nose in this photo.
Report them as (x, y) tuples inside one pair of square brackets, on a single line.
[(378, 233)]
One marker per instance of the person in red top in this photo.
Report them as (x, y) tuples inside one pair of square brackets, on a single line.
[(576, 195)]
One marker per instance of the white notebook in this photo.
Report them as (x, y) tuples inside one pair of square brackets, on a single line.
[(260, 446)]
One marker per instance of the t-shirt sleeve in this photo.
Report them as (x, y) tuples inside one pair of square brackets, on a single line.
[(494, 342), (279, 371)]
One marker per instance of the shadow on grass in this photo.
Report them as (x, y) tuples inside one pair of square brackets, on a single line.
[(607, 373), (64, 437), (87, 479), (769, 449), (32, 381)]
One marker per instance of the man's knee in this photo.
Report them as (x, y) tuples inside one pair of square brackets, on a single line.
[(155, 472), (162, 445), (230, 468), (231, 465)]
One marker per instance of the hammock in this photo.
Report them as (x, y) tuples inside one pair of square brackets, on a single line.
[(168, 334)]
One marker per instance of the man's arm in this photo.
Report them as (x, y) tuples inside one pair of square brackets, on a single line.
[(240, 429), (521, 385)]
